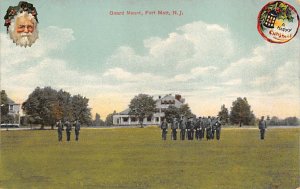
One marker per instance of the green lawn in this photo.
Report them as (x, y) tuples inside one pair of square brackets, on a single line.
[(138, 158)]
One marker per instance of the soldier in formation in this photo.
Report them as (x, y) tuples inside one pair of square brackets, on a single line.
[(77, 129), (193, 127), (60, 128), (182, 127), (202, 125), (68, 130), (164, 129), (68, 126), (198, 129), (189, 129), (174, 127), (208, 128)]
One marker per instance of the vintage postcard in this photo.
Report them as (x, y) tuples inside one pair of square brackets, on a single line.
[(150, 94)]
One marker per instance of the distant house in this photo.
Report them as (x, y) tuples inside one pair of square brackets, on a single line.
[(13, 110), (123, 118)]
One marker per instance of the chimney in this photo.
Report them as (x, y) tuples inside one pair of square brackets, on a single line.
[(177, 97)]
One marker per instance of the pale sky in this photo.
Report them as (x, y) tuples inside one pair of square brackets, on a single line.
[(210, 55)]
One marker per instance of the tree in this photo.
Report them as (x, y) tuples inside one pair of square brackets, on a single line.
[(185, 110), (98, 121), (4, 106), (172, 112), (274, 121), (223, 114), (80, 110), (109, 118), (291, 121), (142, 106), (39, 105), (46, 106), (241, 112)]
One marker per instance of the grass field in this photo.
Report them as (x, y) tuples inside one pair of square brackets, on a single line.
[(138, 158)]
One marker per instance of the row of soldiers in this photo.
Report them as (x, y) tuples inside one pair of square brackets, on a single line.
[(68, 125), (192, 127)]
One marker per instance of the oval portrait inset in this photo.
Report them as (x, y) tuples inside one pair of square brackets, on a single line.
[(278, 22)]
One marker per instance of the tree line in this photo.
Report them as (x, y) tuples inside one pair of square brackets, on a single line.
[(289, 121), (240, 113), (46, 106), (143, 105)]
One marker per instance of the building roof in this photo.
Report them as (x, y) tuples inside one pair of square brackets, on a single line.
[(10, 101), (171, 97), (125, 112), (179, 101)]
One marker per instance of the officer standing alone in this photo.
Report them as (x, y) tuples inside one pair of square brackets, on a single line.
[(262, 125), (218, 128)]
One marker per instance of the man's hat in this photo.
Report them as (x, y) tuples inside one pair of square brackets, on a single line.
[(12, 11)]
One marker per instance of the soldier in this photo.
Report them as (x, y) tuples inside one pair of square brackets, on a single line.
[(192, 128), (164, 128), (68, 129), (77, 129), (202, 126), (198, 129), (188, 129), (262, 125), (174, 126), (60, 128), (182, 127), (208, 128), (218, 128), (213, 127)]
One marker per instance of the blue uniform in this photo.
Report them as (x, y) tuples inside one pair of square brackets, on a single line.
[(182, 127), (60, 128), (77, 129), (68, 130), (262, 125), (164, 128)]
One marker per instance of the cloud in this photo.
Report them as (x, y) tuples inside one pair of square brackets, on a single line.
[(25, 68), (197, 60), (50, 39), (193, 45), (270, 69), (196, 73)]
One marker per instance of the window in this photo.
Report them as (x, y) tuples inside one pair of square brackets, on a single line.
[(11, 107), (133, 119), (157, 119), (125, 119), (149, 119)]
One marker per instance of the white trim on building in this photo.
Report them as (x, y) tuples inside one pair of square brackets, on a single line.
[(123, 118)]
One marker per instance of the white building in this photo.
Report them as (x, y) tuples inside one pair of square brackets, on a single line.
[(13, 108), (13, 112), (123, 118)]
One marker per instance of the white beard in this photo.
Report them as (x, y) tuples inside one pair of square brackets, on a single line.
[(24, 39)]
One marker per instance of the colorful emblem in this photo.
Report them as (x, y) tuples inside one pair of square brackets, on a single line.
[(278, 22)]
